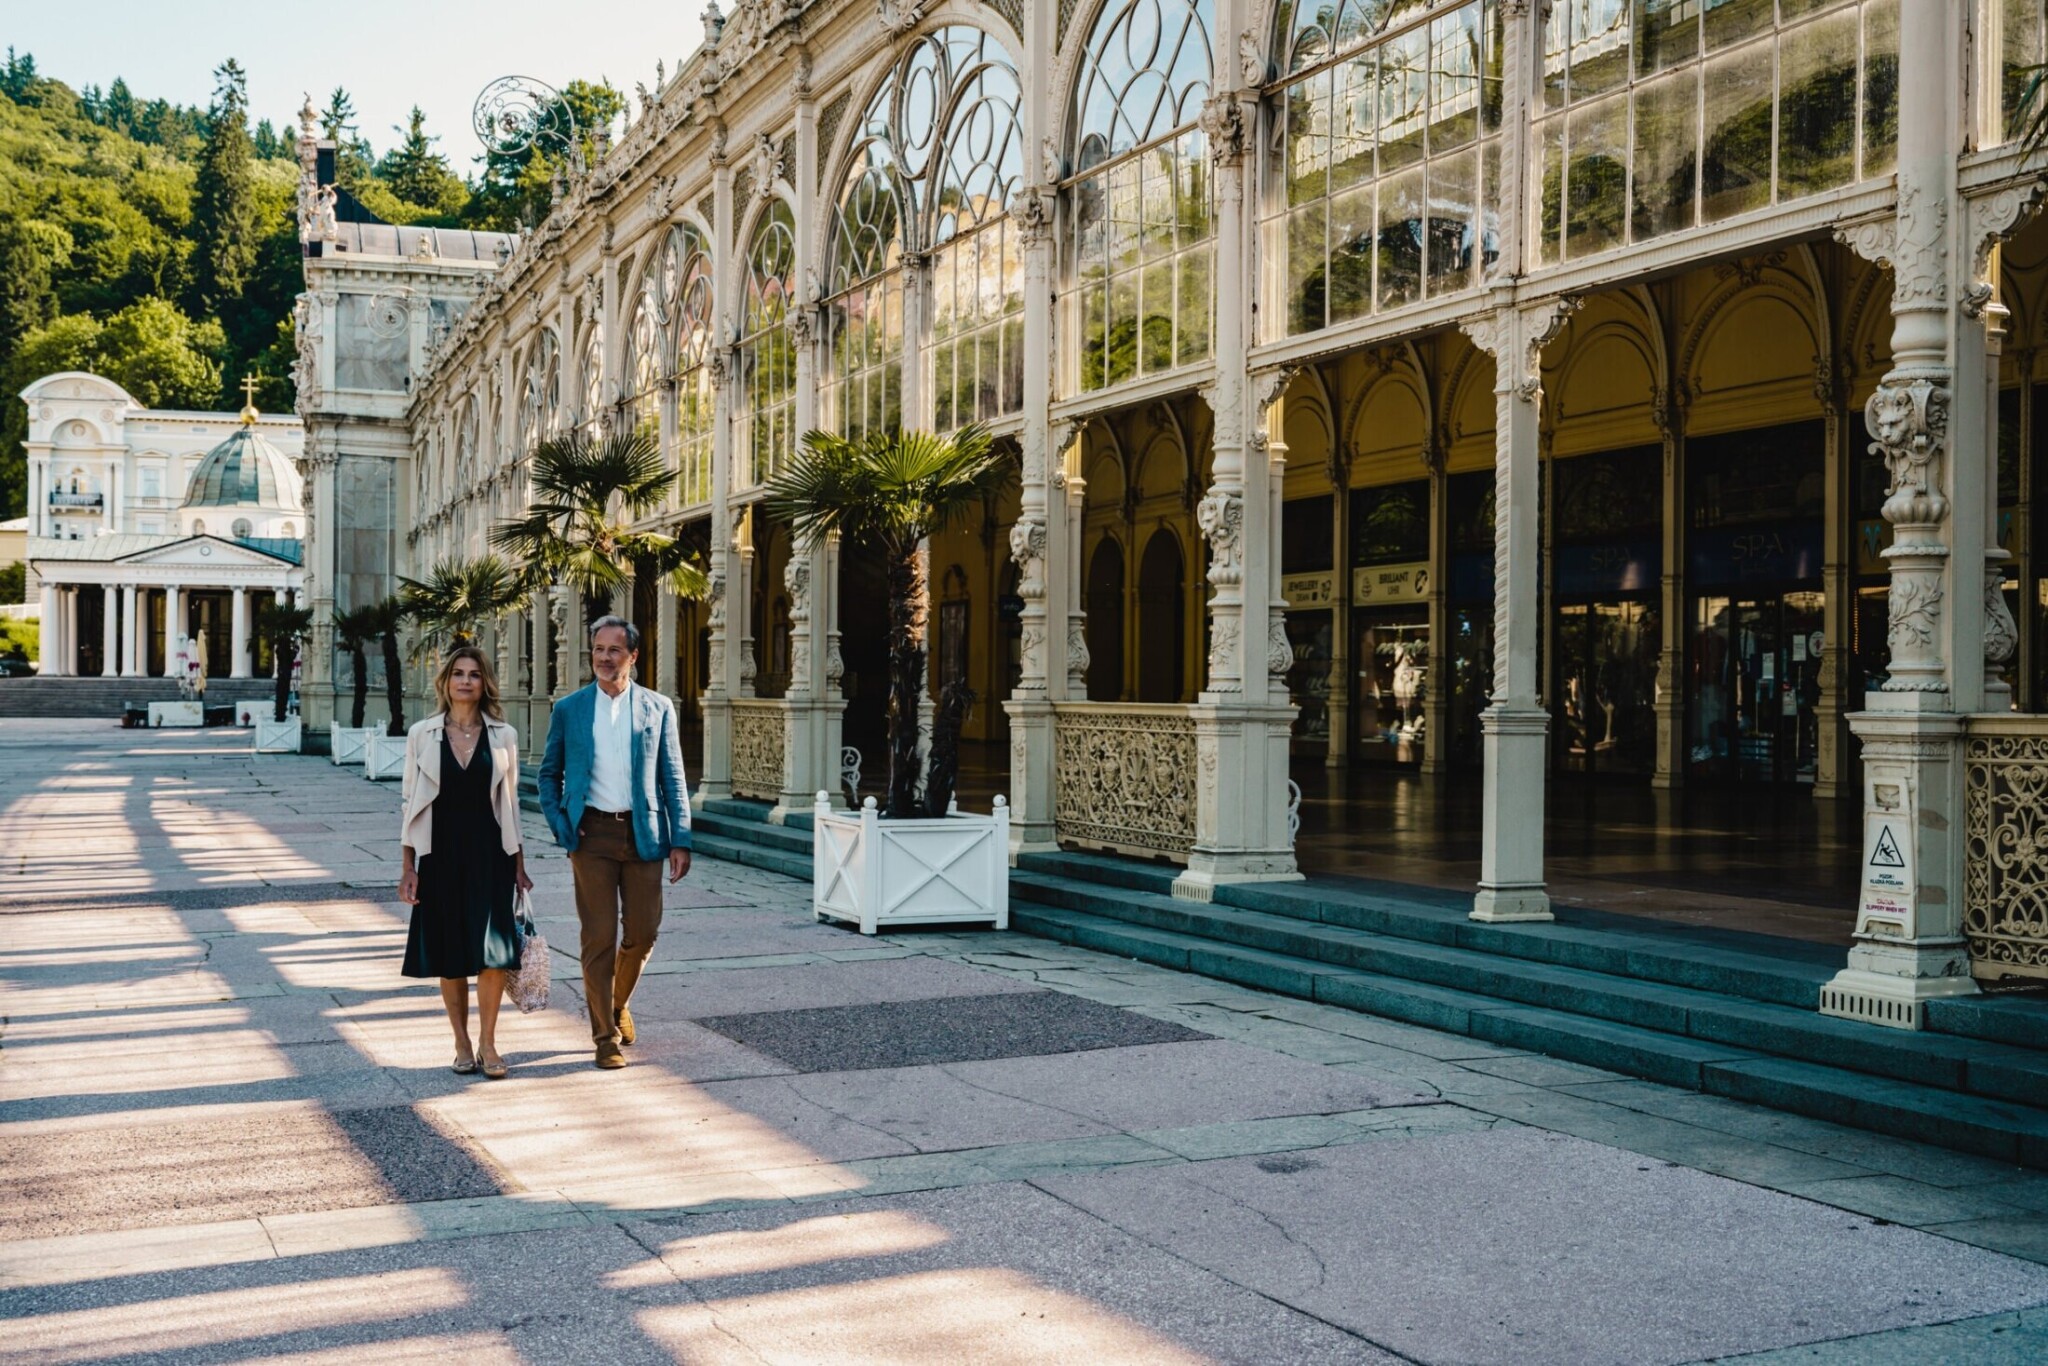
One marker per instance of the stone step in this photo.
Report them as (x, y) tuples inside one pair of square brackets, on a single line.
[(1989, 1126), (752, 855), (788, 839), (1949, 1062)]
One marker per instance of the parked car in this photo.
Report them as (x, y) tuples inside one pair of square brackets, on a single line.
[(17, 666)]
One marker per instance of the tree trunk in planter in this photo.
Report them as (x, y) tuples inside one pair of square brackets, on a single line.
[(942, 774), (361, 663), (394, 684), (286, 650), (906, 679)]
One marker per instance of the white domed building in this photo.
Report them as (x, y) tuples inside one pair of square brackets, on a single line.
[(158, 540)]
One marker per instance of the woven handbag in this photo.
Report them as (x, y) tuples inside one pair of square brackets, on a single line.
[(529, 985)]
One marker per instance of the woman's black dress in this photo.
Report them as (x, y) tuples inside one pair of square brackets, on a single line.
[(463, 922)]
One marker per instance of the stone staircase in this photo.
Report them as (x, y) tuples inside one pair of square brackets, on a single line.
[(1727, 1013), (105, 697)]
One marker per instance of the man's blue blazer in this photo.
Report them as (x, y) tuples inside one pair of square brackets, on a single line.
[(661, 798)]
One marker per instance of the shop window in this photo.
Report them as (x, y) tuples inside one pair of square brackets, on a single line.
[(1390, 524), (1306, 534)]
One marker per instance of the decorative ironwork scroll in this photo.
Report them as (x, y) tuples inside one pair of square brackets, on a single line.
[(2005, 871)]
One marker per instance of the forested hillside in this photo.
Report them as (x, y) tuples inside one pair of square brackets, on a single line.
[(156, 244)]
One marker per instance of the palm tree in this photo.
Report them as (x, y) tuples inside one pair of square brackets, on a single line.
[(587, 492), (354, 631), (458, 597), (386, 619), (288, 626), (892, 491)]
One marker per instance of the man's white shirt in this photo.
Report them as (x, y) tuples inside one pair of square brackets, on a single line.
[(611, 756)]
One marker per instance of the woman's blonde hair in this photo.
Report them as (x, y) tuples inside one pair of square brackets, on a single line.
[(489, 703)]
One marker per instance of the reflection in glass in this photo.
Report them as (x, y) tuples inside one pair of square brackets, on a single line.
[(1817, 106), (1735, 164)]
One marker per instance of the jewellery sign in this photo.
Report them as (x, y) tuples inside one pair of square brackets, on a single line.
[(1888, 886), (1309, 590)]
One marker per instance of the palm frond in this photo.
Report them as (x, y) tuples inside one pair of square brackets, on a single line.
[(459, 596), (891, 488)]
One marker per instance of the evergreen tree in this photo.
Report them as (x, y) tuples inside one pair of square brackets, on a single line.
[(352, 156), (418, 174), (118, 111), (223, 210)]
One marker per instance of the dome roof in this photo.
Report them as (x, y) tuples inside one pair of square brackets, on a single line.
[(244, 471)]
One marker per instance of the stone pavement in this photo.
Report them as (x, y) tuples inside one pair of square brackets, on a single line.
[(228, 1132)]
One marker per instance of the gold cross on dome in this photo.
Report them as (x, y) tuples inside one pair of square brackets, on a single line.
[(249, 410)]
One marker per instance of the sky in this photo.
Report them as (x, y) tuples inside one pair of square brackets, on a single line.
[(390, 56)]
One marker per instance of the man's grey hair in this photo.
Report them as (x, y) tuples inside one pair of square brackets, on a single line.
[(632, 632)]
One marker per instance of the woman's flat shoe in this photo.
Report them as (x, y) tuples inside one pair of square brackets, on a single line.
[(463, 1067), (495, 1070)]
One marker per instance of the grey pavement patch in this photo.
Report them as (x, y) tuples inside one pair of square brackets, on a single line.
[(922, 1109), (2016, 1235), (1663, 1264), (945, 1276), (813, 985), (947, 1029), (2019, 1339)]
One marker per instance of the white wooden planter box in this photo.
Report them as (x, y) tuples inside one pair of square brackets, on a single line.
[(875, 873), (176, 714), (383, 755), (345, 744), (279, 737)]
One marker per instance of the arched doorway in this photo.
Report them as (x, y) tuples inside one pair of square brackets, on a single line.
[(1106, 622), (1162, 619)]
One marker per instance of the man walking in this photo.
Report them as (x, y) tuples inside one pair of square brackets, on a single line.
[(612, 790)]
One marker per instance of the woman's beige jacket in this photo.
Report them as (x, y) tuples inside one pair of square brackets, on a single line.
[(423, 782)]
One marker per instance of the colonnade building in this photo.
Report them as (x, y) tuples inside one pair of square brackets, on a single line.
[(1487, 397)]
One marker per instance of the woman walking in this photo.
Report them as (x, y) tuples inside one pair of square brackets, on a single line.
[(462, 850)]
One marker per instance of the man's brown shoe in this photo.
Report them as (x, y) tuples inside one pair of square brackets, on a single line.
[(609, 1057), (626, 1031)]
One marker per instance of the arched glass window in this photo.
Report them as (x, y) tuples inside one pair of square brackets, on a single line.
[(767, 357), (937, 156), (591, 366), (540, 396), (641, 363), (1382, 187), (241, 528), (687, 307), (1142, 218), (465, 447)]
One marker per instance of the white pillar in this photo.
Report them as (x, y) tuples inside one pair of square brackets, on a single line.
[(131, 631), (38, 496), (1243, 719), (110, 631), (1515, 726), (238, 648), (173, 612), (46, 629), (1909, 946), (1039, 543), (71, 656)]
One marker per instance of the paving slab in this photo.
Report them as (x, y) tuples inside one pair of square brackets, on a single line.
[(1664, 1264), (1001, 1273)]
